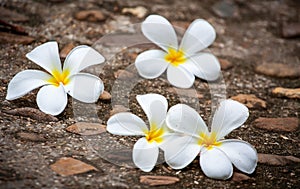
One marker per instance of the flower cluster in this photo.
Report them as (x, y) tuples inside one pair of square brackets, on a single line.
[(216, 153), (58, 81), (182, 135), (183, 62), (145, 150), (179, 132)]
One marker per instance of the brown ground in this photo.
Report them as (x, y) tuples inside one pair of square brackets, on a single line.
[(250, 36)]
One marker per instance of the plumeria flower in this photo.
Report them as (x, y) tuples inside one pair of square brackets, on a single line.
[(183, 62), (58, 81), (216, 153), (146, 149)]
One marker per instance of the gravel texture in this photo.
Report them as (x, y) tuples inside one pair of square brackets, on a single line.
[(248, 35)]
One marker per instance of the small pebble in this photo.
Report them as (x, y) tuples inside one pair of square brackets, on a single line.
[(139, 12), (90, 15), (288, 124), (225, 64), (66, 49), (278, 70), (105, 96), (287, 92), (250, 100)]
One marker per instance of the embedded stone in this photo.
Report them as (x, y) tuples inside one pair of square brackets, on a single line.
[(105, 96), (225, 64), (288, 124), (90, 15), (277, 160), (14, 38), (139, 11), (66, 49), (66, 166), (287, 92), (153, 180), (34, 137), (250, 100), (32, 113), (84, 128), (239, 177), (278, 70)]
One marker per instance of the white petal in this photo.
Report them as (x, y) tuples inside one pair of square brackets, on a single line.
[(215, 164), (46, 56), (168, 138), (229, 116), (151, 54), (82, 57), (179, 152), (204, 65), (159, 30), (155, 106), (197, 37), (85, 87), (52, 99), (151, 64), (145, 154), (241, 154), (180, 77), (126, 123), (24, 82), (184, 119)]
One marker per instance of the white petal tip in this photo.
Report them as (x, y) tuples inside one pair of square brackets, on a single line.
[(51, 99), (214, 77), (199, 35), (44, 45), (177, 167), (165, 37), (12, 95), (96, 55), (146, 169), (252, 170), (181, 86), (99, 88), (85, 87), (51, 112), (219, 176), (151, 64), (8, 97)]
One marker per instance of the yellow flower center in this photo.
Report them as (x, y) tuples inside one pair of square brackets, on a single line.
[(208, 141), (175, 57), (155, 134), (59, 77)]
